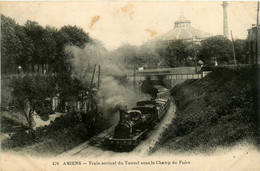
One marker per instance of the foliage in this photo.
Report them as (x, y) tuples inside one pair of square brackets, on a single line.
[(179, 52), (70, 89), (6, 97), (11, 46), (49, 47), (32, 93), (35, 33), (174, 53), (34, 48), (216, 48), (72, 35), (241, 50), (64, 133), (68, 35), (132, 56), (7, 125), (150, 58), (27, 50), (37, 49), (61, 135)]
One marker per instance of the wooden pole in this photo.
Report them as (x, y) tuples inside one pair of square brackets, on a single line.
[(90, 91), (98, 76), (93, 74), (134, 79), (97, 112), (195, 60)]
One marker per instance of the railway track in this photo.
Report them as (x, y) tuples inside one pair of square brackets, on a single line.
[(94, 142), (95, 146)]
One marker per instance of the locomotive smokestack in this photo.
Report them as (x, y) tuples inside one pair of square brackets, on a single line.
[(225, 19), (122, 114)]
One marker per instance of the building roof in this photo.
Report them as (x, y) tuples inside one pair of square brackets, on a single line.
[(252, 32), (183, 18), (184, 33)]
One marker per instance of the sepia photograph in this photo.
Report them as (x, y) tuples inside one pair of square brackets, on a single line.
[(130, 85)]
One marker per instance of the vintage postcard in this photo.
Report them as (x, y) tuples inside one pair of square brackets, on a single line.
[(130, 85)]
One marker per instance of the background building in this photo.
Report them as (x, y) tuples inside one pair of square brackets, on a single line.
[(254, 45), (182, 30)]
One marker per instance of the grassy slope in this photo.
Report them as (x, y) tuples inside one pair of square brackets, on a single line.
[(63, 134), (218, 110)]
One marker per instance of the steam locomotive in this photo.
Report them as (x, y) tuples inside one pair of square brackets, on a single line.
[(135, 123)]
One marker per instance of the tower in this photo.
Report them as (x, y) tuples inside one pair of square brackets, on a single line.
[(225, 19)]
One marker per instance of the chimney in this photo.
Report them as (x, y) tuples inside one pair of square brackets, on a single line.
[(225, 19), (122, 113)]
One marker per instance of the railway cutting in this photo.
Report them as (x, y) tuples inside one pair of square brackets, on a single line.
[(136, 133)]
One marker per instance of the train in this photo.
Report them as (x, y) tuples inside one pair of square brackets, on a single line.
[(134, 124)]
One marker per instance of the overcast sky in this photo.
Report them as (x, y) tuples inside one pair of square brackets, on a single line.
[(116, 23)]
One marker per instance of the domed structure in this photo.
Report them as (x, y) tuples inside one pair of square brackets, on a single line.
[(182, 30)]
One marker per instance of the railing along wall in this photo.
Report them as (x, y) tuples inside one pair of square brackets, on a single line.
[(170, 76)]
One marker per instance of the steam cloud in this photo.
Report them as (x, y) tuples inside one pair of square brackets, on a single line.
[(112, 94)]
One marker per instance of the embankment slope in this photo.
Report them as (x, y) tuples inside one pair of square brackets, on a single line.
[(218, 110)]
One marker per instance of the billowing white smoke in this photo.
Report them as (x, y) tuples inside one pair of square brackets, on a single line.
[(112, 94), (83, 61)]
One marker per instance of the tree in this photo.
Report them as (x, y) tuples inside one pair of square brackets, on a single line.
[(35, 32), (241, 50), (30, 94), (161, 51), (11, 46), (215, 48), (33, 45), (49, 48), (131, 56), (178, 53), (149, 57), (26, 54), (72, 35), (127, 55), (68, 35), (70, 89)]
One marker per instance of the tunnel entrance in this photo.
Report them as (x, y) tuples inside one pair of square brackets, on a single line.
[(149, 83)]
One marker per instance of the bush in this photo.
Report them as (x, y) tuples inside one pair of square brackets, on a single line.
[(63, 134)]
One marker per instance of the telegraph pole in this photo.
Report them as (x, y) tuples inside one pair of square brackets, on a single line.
[(97, 112), (98, 76), (92, 79), (234, 53), (134, 79), (257, 38), (90, 90)]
